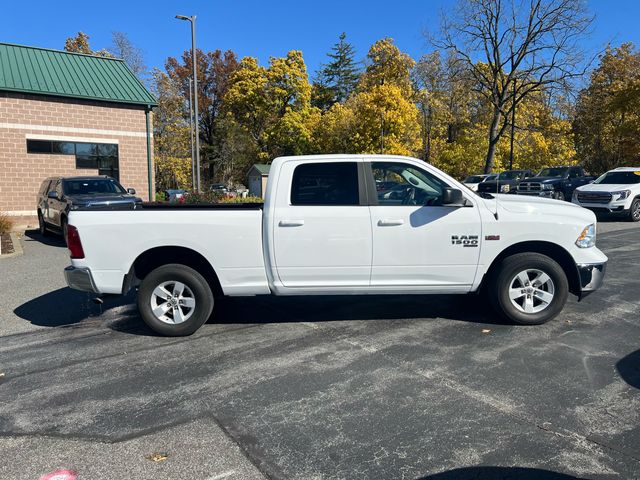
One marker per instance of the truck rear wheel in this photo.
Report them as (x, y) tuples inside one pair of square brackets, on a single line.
[(175, 300), (528, 288)]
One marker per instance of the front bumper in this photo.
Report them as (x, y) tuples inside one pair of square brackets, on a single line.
[(80, 279), (591, 276), (611, 207)]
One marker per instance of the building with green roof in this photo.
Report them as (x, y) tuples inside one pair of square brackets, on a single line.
[(68, 114)]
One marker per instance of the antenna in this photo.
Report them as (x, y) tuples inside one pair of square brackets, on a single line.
[(497, 192)]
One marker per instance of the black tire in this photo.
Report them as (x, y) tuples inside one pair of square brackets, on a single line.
[(41, 225), (634, 211), (199, 291), (559, 196), (503, 278), (64, 226)]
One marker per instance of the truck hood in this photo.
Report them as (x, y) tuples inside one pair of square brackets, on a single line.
[(521, 204), (544, 179), (613, 187), (104, 199)]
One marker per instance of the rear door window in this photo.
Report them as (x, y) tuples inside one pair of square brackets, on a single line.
[(325, 184)]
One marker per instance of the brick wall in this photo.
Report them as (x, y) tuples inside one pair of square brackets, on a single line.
[(57, 118)]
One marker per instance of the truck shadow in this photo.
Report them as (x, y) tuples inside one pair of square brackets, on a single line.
[(65, 307), (52, 239), (629, 369), (499, 473), (262, 310)]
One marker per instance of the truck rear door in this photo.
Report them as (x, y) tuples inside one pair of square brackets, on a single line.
[(321, 225)]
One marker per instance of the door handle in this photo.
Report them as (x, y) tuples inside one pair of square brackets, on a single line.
[(291, 223), (390, 222)]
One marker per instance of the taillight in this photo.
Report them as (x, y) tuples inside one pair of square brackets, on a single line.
[(74, 243)]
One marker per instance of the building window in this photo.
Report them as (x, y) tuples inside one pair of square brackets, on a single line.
[(95, 156)]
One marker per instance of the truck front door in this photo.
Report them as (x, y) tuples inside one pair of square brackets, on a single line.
[(418, 241), (321, 225)]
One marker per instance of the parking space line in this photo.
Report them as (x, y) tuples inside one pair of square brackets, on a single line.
[(222, 475)]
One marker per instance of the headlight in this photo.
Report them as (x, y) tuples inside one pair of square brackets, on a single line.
[(621, 194), (504, 188), (547, 186), (588, 237)]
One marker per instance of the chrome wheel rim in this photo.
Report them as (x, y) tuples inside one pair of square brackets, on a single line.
[(636, 210), (172, 302), (531, 291)]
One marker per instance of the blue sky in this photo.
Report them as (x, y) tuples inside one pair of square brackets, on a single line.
[(262, 29)]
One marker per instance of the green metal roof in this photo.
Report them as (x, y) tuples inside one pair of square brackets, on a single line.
[(54, 72), (262, 168)]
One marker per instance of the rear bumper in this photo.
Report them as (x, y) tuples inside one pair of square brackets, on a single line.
[(591, 276), (80, 279)]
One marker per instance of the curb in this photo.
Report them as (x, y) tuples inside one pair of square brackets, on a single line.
[(17, 247)]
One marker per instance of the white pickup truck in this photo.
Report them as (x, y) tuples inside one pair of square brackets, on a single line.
[(329, 227)]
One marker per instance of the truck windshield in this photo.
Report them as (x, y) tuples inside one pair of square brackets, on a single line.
[(513, 175), (91, 186), (474, 179), (619, 178), (553, 172)]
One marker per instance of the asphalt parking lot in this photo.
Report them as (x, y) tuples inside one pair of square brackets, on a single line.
[(398, 387)]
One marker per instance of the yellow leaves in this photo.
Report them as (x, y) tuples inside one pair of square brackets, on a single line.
[(173, 172), (388, 66)]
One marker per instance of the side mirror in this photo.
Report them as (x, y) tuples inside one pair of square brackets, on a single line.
[(52, 194), (452, 197), (131, 191)]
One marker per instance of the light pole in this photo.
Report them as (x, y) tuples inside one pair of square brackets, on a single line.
[(192, 19), (193, 156)]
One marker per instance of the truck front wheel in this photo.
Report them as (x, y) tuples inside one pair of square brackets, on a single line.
[(175, 300), (528, 288)]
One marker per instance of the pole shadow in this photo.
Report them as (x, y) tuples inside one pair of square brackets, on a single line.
[(499, 473), (629, 369)]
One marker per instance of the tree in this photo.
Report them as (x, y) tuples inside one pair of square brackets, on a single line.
[(607, 119), (272, 106), (338, 78), (380, 117), (80, 44), (525, 47), (171, 134), (123, 48), (214, 70)]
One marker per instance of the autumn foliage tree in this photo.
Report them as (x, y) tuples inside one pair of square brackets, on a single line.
[(607, 120)]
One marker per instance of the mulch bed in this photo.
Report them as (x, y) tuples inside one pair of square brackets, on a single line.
[(7, 244)]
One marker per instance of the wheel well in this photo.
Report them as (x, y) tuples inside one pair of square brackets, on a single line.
[(551, 250), (156, 257)]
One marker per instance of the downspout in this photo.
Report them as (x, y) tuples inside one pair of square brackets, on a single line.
[(149, 166)]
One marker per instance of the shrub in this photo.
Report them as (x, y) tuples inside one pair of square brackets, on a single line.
[(242, 200), (202, 197), (161, 197), (6, 223)]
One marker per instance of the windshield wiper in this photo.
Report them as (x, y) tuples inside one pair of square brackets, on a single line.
[(486, 195)]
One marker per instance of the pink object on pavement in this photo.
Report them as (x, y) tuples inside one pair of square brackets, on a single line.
[(60, 475)]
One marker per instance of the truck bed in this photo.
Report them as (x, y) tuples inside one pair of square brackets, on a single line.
[(176, 206)]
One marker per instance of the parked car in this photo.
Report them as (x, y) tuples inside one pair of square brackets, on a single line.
[(505, 182), (174, 195), (219, 188), (555, 182), (617, 191), (472, 181), (324, 230), (60, 195)]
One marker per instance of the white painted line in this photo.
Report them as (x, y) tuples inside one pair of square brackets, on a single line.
[(53, 128), (222, 475)]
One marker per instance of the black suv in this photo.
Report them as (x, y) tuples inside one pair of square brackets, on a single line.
[(58, 195)]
